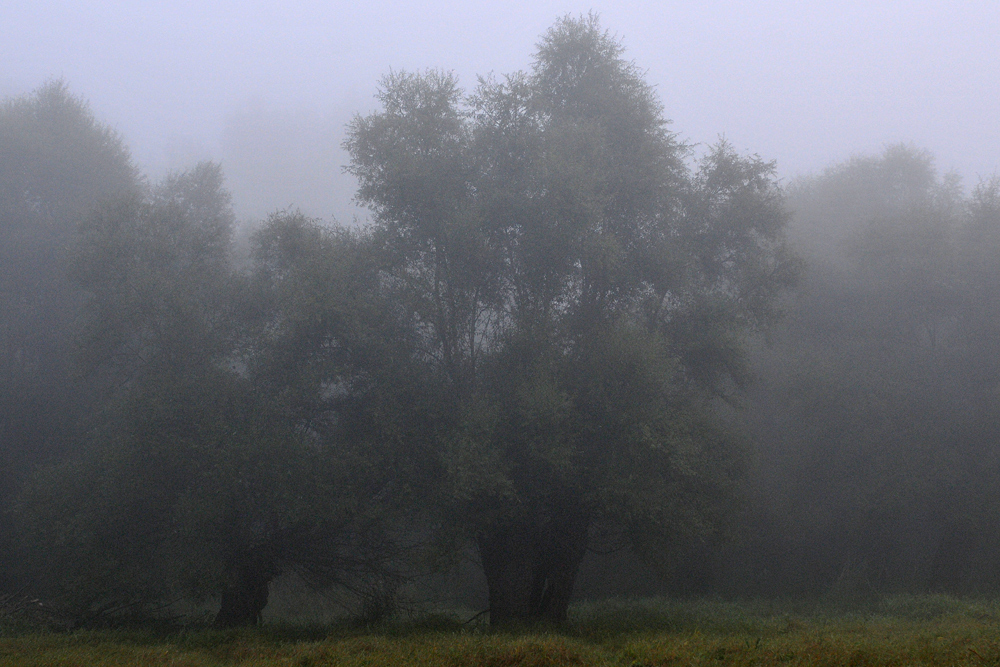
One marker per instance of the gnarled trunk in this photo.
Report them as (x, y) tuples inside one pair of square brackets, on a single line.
[(244, 595), (531, 566)]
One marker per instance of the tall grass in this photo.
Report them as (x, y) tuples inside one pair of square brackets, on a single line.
[(906, 630)]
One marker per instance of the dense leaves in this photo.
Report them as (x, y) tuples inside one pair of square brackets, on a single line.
[(876, 407), (577, 298), (56, 161), (200, 478), (553, 338)]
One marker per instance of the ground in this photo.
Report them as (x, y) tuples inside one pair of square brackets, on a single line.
[(925, 630)]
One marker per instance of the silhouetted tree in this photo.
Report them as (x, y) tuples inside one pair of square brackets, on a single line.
[(56, 162), (875, 411), (576, 298), (199, 478)]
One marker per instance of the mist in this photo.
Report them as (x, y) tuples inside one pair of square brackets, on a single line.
[(497, 307), (268, 89)]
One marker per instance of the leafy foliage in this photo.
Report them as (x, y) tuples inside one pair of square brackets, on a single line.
[(199, 480), (576, 298), (874, 415), (538, 348), (56, 161)]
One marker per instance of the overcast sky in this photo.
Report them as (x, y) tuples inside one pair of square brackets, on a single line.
[(266, 86)]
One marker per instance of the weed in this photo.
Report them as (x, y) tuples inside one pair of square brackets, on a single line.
[(915, 630)]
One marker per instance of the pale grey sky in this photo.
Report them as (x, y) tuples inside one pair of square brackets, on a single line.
[(267, 86)]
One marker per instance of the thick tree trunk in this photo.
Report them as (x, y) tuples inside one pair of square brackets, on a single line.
[(508, 555), (245, 594), (531, 566)]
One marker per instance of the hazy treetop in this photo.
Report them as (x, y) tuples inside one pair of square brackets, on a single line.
[(267, 87)]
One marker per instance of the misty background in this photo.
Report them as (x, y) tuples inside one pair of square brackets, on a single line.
[(845, 301), (266, 88)]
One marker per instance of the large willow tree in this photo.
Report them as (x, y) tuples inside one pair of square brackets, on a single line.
[(577, 297)]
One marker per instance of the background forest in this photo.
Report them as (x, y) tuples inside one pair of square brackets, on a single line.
[(589, 358)]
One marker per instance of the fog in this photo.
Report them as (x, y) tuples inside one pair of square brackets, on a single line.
[(266, 88), (573, 356)]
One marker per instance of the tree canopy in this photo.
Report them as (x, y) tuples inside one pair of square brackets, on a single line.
[(56, 161), (576, 295), (200, 476), (874, 406), (564, 331)]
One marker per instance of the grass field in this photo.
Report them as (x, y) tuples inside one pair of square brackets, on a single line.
[(926, 630)]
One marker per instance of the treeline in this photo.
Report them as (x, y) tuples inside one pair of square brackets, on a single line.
[(875, 415), (562, 333)]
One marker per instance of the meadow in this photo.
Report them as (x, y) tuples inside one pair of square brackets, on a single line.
[(912, 630)]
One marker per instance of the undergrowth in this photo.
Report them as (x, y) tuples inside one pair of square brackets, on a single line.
[(910, 630)]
